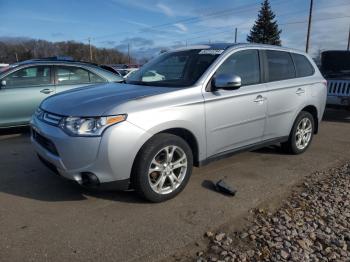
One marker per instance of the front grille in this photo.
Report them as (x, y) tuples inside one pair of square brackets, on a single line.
[(48, 117), (51, 118), (44, 142), (338, 87)]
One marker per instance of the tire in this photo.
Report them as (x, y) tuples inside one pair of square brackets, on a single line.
[(160, 184), (293, 145)]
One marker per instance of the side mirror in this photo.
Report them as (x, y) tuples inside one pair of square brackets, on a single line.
[(227, 81), (2, 83)]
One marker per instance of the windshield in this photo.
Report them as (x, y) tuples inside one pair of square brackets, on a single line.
[(335, 63), (174, 69)]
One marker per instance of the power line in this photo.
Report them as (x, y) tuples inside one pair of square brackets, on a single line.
[(214, 30), (240, 9), (228, 11), (289, 23)]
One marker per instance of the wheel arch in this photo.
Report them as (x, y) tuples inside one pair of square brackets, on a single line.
[(313, 111), (189, 137), (185, 134)]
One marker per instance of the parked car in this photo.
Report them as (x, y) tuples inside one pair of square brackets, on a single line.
[(152, 76), (214, 100), (130, 72), (24, 85), (335, 67), (3, 65), (122, 72)]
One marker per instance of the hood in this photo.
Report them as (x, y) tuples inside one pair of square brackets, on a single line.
[(97, 99)]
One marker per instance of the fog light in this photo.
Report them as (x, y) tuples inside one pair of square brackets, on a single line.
[(89, 179)]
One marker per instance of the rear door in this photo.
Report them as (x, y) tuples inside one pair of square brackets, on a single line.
[(69, 77), (24, 90), (286, 93)]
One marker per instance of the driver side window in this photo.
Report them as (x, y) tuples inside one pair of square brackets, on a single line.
[(244, 64)]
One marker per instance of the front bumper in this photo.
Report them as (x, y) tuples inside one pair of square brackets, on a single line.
[(109, 157), (338, 100)]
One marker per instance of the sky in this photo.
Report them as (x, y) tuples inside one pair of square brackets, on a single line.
[(148, 26)]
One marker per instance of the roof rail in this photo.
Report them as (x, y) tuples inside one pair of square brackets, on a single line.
[(54, 58)]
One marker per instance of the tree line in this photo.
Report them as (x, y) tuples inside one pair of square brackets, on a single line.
[(12, 51)]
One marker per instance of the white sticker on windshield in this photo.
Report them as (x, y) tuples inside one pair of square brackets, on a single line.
[(211, 52)]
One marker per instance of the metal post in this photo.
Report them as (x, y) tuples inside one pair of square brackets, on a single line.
[(309, 27), (90, 49), (236, 35), (348, 40), (129, 53)]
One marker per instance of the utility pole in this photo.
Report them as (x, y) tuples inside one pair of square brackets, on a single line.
[(348, 40), (235, 35), (309, 27), (17, 55), (186, 43), (129, 53), (90, 49)]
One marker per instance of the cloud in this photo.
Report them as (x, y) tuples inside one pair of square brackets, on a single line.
[(137, 41), (181, 26), (134, 43), (165, 9), (110, 43), (57, 34), (325, 34), (132, 22)]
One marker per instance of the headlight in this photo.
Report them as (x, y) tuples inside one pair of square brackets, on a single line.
[(38, 113), (89, 126)]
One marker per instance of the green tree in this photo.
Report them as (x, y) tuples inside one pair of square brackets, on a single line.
[(265, 30)]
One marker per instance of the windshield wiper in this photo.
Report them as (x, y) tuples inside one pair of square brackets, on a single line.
[(140, 83)]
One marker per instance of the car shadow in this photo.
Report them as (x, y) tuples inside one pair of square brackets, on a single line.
[(25, 130), (336, 115), (22, 174), (270, 150), (49, 187)]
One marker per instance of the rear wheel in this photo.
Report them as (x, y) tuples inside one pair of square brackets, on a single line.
[(301, 135), (162, 168)]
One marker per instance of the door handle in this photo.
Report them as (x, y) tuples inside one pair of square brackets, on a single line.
[(46, 91), (259, 99), (300, 91)]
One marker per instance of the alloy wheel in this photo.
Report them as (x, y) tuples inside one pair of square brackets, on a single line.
[(303, 133), (167, 169)]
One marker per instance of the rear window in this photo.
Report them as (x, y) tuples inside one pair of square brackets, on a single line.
[(75, 75), (280, 65), (302, 65)]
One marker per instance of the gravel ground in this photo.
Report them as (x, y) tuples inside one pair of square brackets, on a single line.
[(313, 224)]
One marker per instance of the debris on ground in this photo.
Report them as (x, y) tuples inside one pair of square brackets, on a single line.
[(222, 187), (313, 224)]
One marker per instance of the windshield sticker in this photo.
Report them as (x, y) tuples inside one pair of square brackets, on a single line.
[(211, 52)]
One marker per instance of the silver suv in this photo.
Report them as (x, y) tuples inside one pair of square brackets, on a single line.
[(200, 104)]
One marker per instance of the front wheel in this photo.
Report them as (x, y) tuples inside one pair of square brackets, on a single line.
[(162, 168), (301, 135)]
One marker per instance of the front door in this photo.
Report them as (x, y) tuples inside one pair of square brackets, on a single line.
[(236, 118), (22, 93)]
